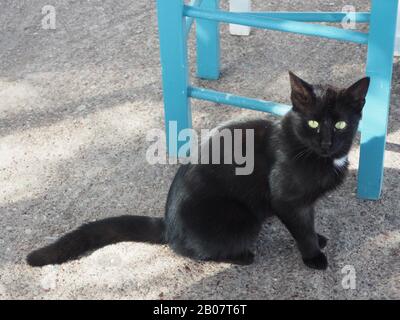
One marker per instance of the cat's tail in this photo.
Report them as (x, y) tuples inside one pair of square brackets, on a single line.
[(95, 235)]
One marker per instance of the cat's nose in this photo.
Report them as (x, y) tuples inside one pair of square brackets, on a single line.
[(326, 145)]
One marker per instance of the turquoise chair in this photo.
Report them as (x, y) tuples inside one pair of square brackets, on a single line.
[(175, 19)]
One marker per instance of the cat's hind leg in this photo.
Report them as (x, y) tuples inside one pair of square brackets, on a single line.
[(322, 241), (219, 229), (244, 259)]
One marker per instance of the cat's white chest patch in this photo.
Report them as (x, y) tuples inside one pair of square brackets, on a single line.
[(340, 162)]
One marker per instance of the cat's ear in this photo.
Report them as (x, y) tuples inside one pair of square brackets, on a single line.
[(357, 93), (302, 93)]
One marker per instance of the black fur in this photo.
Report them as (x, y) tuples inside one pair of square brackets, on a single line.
[(98, 234), (214, 214)]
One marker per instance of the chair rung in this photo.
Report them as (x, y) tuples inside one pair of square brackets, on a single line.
[(275, 108), (252, 20), (359, 17), (238, 101)]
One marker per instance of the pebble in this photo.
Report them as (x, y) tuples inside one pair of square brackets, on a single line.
[(81, 108)]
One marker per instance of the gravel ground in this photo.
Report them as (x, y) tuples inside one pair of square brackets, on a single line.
[(75, 106)]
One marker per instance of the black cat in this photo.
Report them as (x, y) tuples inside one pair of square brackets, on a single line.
[(214, 214)]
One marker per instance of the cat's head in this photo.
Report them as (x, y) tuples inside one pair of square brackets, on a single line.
[(324, 118)]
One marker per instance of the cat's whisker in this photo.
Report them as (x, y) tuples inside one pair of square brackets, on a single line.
[(309, 152), (300, 154)]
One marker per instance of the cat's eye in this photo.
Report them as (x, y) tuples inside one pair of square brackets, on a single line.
[(340, 125), (313, 124)]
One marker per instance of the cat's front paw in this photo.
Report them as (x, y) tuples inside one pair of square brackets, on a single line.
[(319, 262), (322, 241)]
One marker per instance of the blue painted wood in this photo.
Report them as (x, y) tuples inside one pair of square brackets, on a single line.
[(208, 44), (238, 101), (360, 17), (376, 111), (190, 20), (278, 24), (173, 52), (275, 108)]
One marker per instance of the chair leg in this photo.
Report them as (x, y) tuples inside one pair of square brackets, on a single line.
[(208, 44), (174, 61), (376, 110)]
